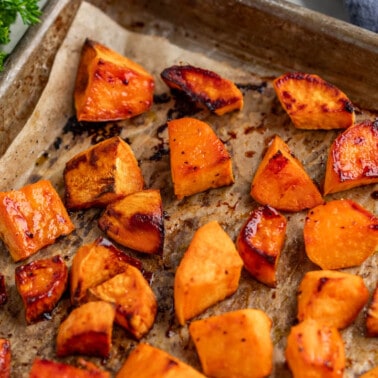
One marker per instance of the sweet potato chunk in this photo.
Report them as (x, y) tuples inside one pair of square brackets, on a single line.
[(110, 86), (5, 358), (315, 350), (32, 218), (260, 242), (282, 182), (41, 284), (135, 302), (101, 174), (149, 362), (234, 344), (136, 221), (43, 368), (313, 103), (204, 87), (372, 316), (95, 263), (353, 158), (199, 159), (372, 373), (208, 272), (340, 234), (331, 297), (3, 290), (87, 330)]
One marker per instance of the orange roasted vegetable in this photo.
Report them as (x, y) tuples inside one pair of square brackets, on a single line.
[(372, 316), (315, 350), (353, 158), (41, 284), (340, 234), (204, 87), (208, 272), (136, 221), (331, 297), (313, 103), (32, 218), (282, 182), (43, 368), (372, 373), (149, 362), (234, 344), (110, 86), (5, 358), (87, 330), (199, 159), (260, 242), (101, 174)]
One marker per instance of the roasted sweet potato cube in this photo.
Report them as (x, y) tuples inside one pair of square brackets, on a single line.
[(340, 234), (5, 358), (199, 159), (95, 263), (331, 297), (372, 373), (204, 87), (208, 272), (260, 242), (87, 330), (313, 103), (32, 218), (3, 290), (282, 182), (234, 344), (106, 172), (41, 284), (136, 221), (353, 158), (372, 316), (149, 362), (134, 300), (110, 86), (43, 368), (315, 350)]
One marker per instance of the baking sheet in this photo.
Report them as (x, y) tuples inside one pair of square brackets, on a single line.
[(51, 137)]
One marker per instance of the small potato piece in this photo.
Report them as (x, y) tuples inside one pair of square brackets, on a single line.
[(101, 174), (372, 316), (5, 358), (110, 86), (43, 368), (282, 182), (149, 362), (32, 218), (136, 221), (41, 284), (260, 242), (315, 350), (87, 330), (205, 87), (199, 159), (95, 263), (134, 300), (340, 234), (353, 158), (234, 344), (313, 103), (372, 373), (3, 291), (208, 272), (331, 297)]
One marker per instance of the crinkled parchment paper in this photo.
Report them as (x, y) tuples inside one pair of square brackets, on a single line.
[(51, 137)]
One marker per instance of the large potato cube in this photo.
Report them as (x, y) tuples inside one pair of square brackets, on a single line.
[(136, 221), (208, 272), (331, 297), (101, 174), (149, 362), (282, 182), (234, 344), (87, 330), (32, 218), (5, 358), (110, 86), (199, 159), (134, 300), (41, 284)]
